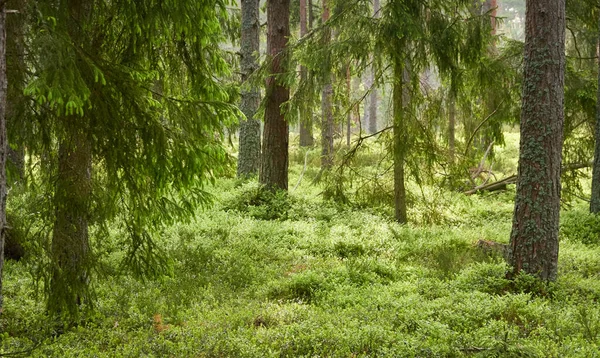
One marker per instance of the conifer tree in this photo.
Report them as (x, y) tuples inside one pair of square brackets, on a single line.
[(533, 244), (595, 197), (306, 135), (3, 142), (249, 151), (326, 101), (275, 156), (128, 122)]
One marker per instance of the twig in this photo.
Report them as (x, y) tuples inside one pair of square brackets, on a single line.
[(479, 127)]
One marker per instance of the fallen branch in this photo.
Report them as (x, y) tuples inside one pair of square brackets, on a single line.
[(501, 184)]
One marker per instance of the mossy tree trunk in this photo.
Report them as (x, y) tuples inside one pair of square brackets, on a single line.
[(249, 151), (400, 141), (70, 249), (534, 238), (3, 142), (306, 135), (274, 163), (326, 103), (595, 199), (15, 71)]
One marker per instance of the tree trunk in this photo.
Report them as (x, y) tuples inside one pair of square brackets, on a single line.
[(452, 126), (349, 114), (15, 71), (326, 105), (595, 198), (306, 136), (70, 249), (3, 142), (249, 154), (274, 164), (373, 102), (399, 142), (534, 236)]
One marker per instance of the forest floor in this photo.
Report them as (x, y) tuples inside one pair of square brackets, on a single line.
[(304, 277)]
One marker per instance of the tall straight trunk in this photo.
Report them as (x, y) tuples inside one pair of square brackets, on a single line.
[(3, 142), (595, 198), (349, 114), (70, 249), (534, 238), (15, 71), (249, 154), (452, 125), (326, 105), (306, 135), (373, 102), (274, 163), (400, 139)]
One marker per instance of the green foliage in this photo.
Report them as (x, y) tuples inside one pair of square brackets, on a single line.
[(579, 225)]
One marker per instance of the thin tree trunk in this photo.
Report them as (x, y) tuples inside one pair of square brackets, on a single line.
[(15, 71), (399, 143), (349, 114), (274, 164), (249, 154), (306, 136), (534, 238), (373, 102), (70, 249), (595, 198), (326, 105), (3, 142), (452, 126)]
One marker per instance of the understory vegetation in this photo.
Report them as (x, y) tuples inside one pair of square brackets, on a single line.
[(296, 275)]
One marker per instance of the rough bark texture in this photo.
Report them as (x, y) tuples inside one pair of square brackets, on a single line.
[(373, 101), (3, 142), (274, 164), (534, 237), (15, 70), (326, 105), (399, 143), (249, 155), (70, 247), (306, 135), (595, 199)]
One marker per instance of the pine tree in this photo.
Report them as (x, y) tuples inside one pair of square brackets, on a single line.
[(595, 197), (534, 238), (275, 156), (326, 101), (249, 151)]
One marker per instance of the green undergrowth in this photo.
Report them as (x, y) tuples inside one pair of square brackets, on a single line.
[(274, 275)]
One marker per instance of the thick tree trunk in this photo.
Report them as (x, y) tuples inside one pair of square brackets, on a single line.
[(534, 237), (595, 198), (249, 154), (373, 102), (306, 136), (3, 142), (70, 249), (70, 240), (399, 142), (326, 105), (274, 164)]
